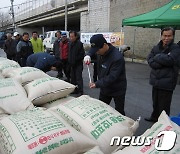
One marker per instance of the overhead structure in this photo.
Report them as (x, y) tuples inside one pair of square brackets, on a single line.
[(167, 15)]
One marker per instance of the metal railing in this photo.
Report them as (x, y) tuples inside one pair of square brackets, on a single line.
[(32, 8)]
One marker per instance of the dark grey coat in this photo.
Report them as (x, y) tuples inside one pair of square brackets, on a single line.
[(111, 73), (164, 64), (56, 48)]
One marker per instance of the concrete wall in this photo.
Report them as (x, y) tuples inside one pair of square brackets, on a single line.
[(145, 38), (29, 30), (97, 18), (21, 30), (107, 15)]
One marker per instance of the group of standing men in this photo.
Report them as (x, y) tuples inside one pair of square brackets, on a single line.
[(70, 52), (68, 55), (164, 60), (20, 48)]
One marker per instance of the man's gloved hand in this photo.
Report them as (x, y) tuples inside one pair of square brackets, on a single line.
[(87, 60)]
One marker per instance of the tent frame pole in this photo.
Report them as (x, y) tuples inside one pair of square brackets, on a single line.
[(160, 35), (121, 36), (120, 39), (133, 56)]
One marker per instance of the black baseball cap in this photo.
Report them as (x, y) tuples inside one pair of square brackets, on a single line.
[(97, 41)]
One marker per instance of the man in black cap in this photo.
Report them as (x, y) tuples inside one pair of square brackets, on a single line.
[(111, 72)]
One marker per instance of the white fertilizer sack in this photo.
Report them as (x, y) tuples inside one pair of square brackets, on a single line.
[(41, 91), (57, 102), (37, 132), (13, 97), (163, 124), (96, 120), (26, 74)]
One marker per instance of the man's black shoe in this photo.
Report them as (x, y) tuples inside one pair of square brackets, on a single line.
[(150, 119), (59, 75), (67, 80), (79, 94), (75, 92)]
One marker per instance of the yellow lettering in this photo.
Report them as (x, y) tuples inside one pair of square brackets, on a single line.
[(175, 7)]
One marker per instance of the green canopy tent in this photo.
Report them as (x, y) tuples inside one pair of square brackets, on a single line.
[(167, 15)]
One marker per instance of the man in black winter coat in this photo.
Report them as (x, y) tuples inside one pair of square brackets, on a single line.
[(111, 72), (24, 49), (75, 59), (56, 51), (163, 61), (10, 47), (178, 43)]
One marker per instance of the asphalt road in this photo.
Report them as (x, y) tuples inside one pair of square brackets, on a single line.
[(138, 95), (2, 53)]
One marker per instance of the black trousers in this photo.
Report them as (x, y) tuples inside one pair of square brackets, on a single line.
[(11, 57), (95, 74), (76, 77), (118, 100), (60, 73), (161, 101), (22, 61), (66, 68)]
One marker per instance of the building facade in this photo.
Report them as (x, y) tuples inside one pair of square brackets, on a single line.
[(107, 16)]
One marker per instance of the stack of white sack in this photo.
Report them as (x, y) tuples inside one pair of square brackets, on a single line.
[(96, 120), (7, 65), (13, 97), (163, 124), (39, 131), (47, 89), (57, 102), (2, 114), (25, 74), (3, 58), (1, 76), (95, 150)]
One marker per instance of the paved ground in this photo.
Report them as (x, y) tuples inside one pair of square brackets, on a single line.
[(138, 96), (2, 53)]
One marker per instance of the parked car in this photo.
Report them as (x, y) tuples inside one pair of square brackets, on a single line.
[(50, 38)]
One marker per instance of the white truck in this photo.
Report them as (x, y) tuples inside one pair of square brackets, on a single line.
[(50, 38)]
